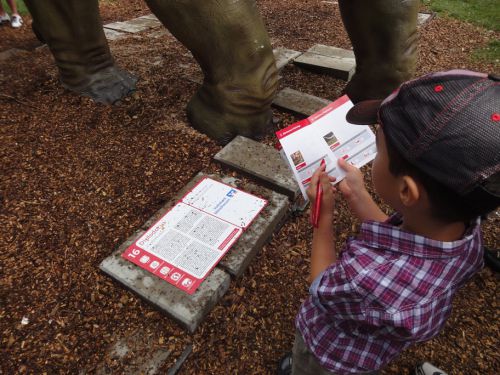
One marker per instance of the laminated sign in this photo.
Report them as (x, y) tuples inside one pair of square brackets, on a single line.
[(326, 136), (190, 239)]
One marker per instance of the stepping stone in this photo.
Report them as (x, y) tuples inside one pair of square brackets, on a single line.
[(329, 51), (113, 34), (146, 22), (423, 18), (251, 241), (269, 169), (258, 234), (150, 16), (190, 310), (299, 102), (160, 33), (134, 25), (125, 27), (187, 310), (283, 56), (136, 353), (179, 362), (337, 62)]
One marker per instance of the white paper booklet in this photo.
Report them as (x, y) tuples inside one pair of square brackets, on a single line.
[(190, 239), (326, 135)]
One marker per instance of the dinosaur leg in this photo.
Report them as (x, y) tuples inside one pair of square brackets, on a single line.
[(229, 41), (384, 36), (73, 31)]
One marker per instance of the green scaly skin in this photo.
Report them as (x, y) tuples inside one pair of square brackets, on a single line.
[(73, 31), (384, 38)]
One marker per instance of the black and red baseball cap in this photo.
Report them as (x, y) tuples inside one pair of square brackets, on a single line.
[(447, 124)]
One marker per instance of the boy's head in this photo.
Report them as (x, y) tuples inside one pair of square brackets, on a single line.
[(443, 130)]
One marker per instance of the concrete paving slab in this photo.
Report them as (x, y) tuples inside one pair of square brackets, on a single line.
[(160, 33), (339, 67), (180, 361), (136, 353), (187, 310), (126, 27), (113, 34), (190, 310), (269, 168), (284, 55), (148, 23), (330, 51), (149, 16), (244, 250), (299, 102), (258, 234), (423, 18)]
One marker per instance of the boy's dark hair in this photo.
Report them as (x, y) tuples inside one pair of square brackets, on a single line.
[(446, 204)]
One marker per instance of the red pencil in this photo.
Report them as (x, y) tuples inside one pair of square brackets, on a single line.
[(317, 203)]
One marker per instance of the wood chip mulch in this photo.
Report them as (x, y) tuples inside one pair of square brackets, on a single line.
[(78, 178)]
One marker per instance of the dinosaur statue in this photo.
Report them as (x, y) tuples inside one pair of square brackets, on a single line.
[(229, 41)]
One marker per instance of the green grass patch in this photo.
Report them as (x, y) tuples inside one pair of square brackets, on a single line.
[(21, 7), (489, 53), (483, 13)]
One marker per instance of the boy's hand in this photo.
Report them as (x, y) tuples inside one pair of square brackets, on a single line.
[(353, 184), (329, 192), (360, 201)]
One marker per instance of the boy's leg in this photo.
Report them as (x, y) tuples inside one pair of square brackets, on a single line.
[(305, 363)]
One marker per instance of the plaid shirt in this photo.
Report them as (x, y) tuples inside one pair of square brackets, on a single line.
[(388, 289)]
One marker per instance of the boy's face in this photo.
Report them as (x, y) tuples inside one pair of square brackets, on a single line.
[(385, 184)]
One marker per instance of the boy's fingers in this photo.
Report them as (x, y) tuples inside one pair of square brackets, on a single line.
[(344, 187), (345, 165), (314, 182), (326, 180)]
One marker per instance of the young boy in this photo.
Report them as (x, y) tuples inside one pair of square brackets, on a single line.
[(438, 167)]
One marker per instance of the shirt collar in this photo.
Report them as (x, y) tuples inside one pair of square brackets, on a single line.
[(389, 236)]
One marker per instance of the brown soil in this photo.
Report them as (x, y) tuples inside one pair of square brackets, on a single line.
[(78, 178)]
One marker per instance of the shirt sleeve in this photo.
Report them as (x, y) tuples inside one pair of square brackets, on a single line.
[(333, 292)]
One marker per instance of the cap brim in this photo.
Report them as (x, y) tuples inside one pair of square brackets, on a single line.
[(364, 113)]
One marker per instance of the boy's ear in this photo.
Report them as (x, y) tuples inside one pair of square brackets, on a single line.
[(409, 191)]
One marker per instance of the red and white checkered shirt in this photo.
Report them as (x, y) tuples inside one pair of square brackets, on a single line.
[(388, 289)]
